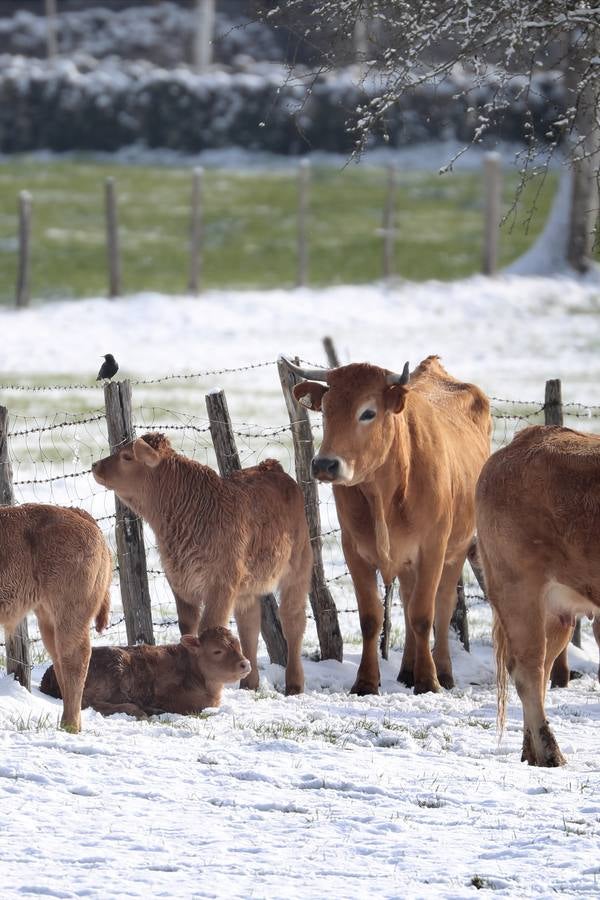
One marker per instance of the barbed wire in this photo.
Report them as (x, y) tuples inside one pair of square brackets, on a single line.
[(183, 376)]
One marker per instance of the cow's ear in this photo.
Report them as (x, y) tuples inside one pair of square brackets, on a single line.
[(310, 394), (145, 454), (190, 641), (395, 397)]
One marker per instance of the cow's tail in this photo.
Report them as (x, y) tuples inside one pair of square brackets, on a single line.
[(500, 648), (103, 587), (49, 683)]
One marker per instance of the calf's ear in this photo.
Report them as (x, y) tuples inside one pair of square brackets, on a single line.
[(145, 454), (394, 397), (190, 641), (310, 394)]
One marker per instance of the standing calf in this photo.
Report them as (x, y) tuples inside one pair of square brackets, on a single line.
[(538, 521), (223, 542), (141, 681), (55, 562)]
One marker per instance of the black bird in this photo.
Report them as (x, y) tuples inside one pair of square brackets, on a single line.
[(108, 368)]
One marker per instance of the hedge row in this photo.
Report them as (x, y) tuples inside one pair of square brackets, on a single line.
[(107, 105)]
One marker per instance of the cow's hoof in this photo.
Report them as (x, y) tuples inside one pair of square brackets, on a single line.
[(363, 688), (249, 683), (560, 680), (406, 677), (292, 690), (429, 686), (446, 680)]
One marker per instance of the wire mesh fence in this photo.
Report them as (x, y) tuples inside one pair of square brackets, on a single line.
[(51, 458)]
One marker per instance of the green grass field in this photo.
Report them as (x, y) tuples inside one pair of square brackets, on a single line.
[(250, 226)]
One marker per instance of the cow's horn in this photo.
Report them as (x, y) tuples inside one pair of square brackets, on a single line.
[(309, 374), (393, 378)]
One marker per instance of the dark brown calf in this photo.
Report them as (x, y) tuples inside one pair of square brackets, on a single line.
[(143, 680)]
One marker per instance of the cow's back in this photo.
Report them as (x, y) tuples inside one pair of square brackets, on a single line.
[(457, 401), (538, 505), (454, 428)]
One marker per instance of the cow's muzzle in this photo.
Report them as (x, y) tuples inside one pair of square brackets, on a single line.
[(325, 468)]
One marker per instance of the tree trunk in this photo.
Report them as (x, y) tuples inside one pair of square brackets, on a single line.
[(585, 158)]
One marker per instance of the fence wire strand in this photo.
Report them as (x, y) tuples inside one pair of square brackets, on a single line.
[(51, 458)]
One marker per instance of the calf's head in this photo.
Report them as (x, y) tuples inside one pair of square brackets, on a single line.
[(216, 655), (129, 469), (358, 403)]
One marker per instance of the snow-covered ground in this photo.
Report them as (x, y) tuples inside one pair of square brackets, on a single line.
[(325, 794)]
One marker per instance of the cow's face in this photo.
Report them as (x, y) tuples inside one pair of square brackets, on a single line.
[(358, 406), (216, 655), (126, 470)]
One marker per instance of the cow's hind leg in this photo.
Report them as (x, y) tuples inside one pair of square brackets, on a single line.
[(247, 617), (445, 602), (558, 636), (46, 625), (292, 611), (109, 709), (73, 654), (523, 620), (406, 674)]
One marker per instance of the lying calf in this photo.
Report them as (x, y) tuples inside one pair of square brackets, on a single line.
[(145, 680)]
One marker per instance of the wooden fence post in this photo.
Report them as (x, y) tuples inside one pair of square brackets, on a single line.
[(303, 190), (131, 553), (229, 461), (460, 621), (324, 609), (112, 239), (23, 294), (553, 415), (330, 352), (18, 654), (384, 641), (492, 177), (196, 232), (389, 234)]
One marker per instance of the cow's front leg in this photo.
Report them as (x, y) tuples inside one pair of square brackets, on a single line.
[(370, 611), (421, 608)]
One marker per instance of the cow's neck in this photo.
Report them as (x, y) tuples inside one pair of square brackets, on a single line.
[(180, 498), (387, 488)]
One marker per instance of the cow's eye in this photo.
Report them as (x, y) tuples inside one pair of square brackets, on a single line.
[(217, 652), (367, 415), (127, 457)]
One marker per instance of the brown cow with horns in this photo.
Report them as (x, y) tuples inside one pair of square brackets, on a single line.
[(403, 454)]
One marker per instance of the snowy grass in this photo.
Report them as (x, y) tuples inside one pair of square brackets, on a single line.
[(325, 794), (250, 225)]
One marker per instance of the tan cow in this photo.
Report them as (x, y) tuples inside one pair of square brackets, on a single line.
[(55, 561), (223, 542), (403, 457), (143, 680), (538, 522)]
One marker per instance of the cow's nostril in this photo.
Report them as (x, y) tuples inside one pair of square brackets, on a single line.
[(333, 466), (325, 466)]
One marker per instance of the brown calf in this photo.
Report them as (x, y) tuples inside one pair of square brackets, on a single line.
[(403, 455), (143, 680), (55, 562), (223, 542), (538, 521)]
